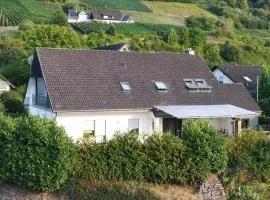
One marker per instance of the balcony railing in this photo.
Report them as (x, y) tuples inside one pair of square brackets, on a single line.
[(42, 101)]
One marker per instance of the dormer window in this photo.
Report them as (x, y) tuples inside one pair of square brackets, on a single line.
[(247, 78), (125, 86), (161, 86)]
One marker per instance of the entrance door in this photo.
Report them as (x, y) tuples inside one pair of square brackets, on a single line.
[(173, 126)]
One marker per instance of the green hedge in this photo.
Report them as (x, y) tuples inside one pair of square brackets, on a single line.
[(160, 158), (34, 153), (249, 157)]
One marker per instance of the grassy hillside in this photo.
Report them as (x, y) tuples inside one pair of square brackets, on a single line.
[(13, 12), (115, 5), (169, 13)]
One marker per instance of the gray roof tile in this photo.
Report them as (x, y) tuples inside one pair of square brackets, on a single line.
[(80, 80)]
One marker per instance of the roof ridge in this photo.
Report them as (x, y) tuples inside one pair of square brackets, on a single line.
[(120, 52)]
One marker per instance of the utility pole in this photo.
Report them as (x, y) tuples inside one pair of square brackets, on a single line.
[(257, 93)]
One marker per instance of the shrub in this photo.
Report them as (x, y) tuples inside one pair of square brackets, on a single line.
[(2, 108), (35, 153), (59, 18), (252, 192), (230, 52), (249, 156), (205, 150), (118, 159), (172, 37), (160, 158), (164, 154), (13, 103)]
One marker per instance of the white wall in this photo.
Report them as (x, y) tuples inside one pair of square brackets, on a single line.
[(221, 76), (83, 18), (4, 87), (42, 112), (115, 121)]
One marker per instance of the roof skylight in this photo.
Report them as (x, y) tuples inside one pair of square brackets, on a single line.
[(161, 86), (247, 78), (202, 84), (190, 84), (125, 86)]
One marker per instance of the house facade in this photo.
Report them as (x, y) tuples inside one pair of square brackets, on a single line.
[(5, 85), (100, 93)]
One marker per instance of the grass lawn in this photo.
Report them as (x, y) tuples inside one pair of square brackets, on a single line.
[(169, 13), (128, 190)]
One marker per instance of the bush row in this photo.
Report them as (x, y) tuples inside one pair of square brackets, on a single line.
[(34, 153), (249, 157), (160, 158)]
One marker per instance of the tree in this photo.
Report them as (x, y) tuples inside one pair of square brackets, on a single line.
[(212, 54), (197, 38), (172, 37), (205, 150), (229, 52), (184, 36), (59, 18), (13, 103), (264, 94), (111, 30), (51, 36)]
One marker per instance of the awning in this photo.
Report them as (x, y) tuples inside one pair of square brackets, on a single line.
[(206, 111)]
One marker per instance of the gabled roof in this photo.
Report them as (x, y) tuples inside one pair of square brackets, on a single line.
[(7, 81), (112, 15), (114, 47), (84, 80), (237, 73), (127, 18)]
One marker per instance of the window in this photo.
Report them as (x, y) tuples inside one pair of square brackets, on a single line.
[(94, 130), (220, 79), (247, 78), (201, 83), (190, 84), (88, 129), (161, 86), (245, 123), (125, 86), (133, 125)]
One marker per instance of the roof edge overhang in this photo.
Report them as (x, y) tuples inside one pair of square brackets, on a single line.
[(165, 111)]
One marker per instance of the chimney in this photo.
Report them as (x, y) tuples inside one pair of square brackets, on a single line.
[(191, 51)]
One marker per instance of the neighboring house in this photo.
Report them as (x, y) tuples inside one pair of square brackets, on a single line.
[(107, 16), (248, 75), (128, 19), (101, 92), (122, 47), (75, 17), (5, 85), (100, 16)]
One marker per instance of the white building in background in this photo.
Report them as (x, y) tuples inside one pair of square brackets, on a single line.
[(108, 17), (5, 85), (249, 76), (98, 93)]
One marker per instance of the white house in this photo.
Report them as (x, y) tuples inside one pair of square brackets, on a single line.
[(75, 17), (5, 85), (99, 93), (107, 17)]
